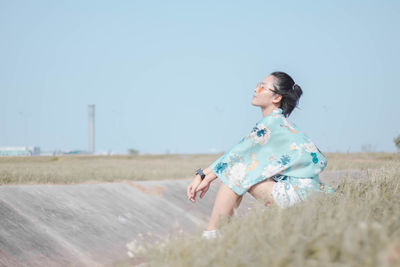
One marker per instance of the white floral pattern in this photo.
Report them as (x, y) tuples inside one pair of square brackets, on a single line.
[(237, 173), (260, 134), (288, 125), (294, 146), (310, 148), (271, 170)]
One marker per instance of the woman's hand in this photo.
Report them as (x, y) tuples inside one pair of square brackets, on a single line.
[(203, 187), (200, 185), (191, 189)]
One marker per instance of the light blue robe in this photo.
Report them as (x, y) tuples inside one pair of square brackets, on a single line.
[(277, 149)]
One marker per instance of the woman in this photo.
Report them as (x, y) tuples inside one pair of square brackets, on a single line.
[(275, 163)]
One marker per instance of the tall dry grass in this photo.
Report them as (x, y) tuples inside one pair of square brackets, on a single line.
[(83, 169), (359, 225)]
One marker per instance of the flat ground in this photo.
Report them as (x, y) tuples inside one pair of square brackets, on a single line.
[(87, 169)]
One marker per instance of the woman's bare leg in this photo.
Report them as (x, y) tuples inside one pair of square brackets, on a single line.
[(225, 201), (263, 191)]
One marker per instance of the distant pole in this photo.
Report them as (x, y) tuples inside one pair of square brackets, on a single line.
[(91, 128)]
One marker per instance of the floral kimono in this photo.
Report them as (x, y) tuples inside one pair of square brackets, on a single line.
[(276, 149)]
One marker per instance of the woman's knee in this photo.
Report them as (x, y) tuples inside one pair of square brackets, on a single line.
[(263, 191)]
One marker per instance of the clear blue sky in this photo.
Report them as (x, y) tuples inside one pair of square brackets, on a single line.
[(178, 76)]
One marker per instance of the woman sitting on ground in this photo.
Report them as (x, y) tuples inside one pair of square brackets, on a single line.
[(275, 163)]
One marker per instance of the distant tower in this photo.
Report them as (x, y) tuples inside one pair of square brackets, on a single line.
[(91, 128)]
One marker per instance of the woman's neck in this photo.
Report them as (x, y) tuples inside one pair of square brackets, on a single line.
[(267, 110)]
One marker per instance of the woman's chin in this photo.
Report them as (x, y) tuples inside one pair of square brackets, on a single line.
[(254, 103)]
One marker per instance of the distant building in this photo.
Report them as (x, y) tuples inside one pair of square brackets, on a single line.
[(20, 151), (75, 152)]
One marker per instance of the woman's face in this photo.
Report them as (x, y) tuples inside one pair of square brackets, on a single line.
[(263, 96)]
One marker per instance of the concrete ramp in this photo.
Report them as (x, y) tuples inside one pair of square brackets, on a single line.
[(90, 224)]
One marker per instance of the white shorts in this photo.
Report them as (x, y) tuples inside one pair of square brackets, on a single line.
[(284, 198), (284, 193)]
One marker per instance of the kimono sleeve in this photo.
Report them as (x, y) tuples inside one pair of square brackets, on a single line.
[(219, 165), (238, 153)]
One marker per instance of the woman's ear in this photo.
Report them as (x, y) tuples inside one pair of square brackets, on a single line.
[(276, 98)]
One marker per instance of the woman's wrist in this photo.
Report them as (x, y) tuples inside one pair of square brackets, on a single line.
[(210, 175), (207, 171)]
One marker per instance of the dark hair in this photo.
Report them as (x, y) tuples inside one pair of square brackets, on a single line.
[(289, 90)]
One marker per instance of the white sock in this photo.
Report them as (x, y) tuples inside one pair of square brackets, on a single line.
[(210, 234)]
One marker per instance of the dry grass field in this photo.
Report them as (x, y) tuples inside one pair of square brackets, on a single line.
[(86, 169), (359, 225)]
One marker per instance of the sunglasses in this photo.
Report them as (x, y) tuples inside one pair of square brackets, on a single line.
[(260, 87)]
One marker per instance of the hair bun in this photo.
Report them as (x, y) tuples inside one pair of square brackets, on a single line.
[(290, 91)]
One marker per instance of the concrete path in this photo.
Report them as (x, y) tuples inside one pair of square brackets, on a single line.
[(90, 224)]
